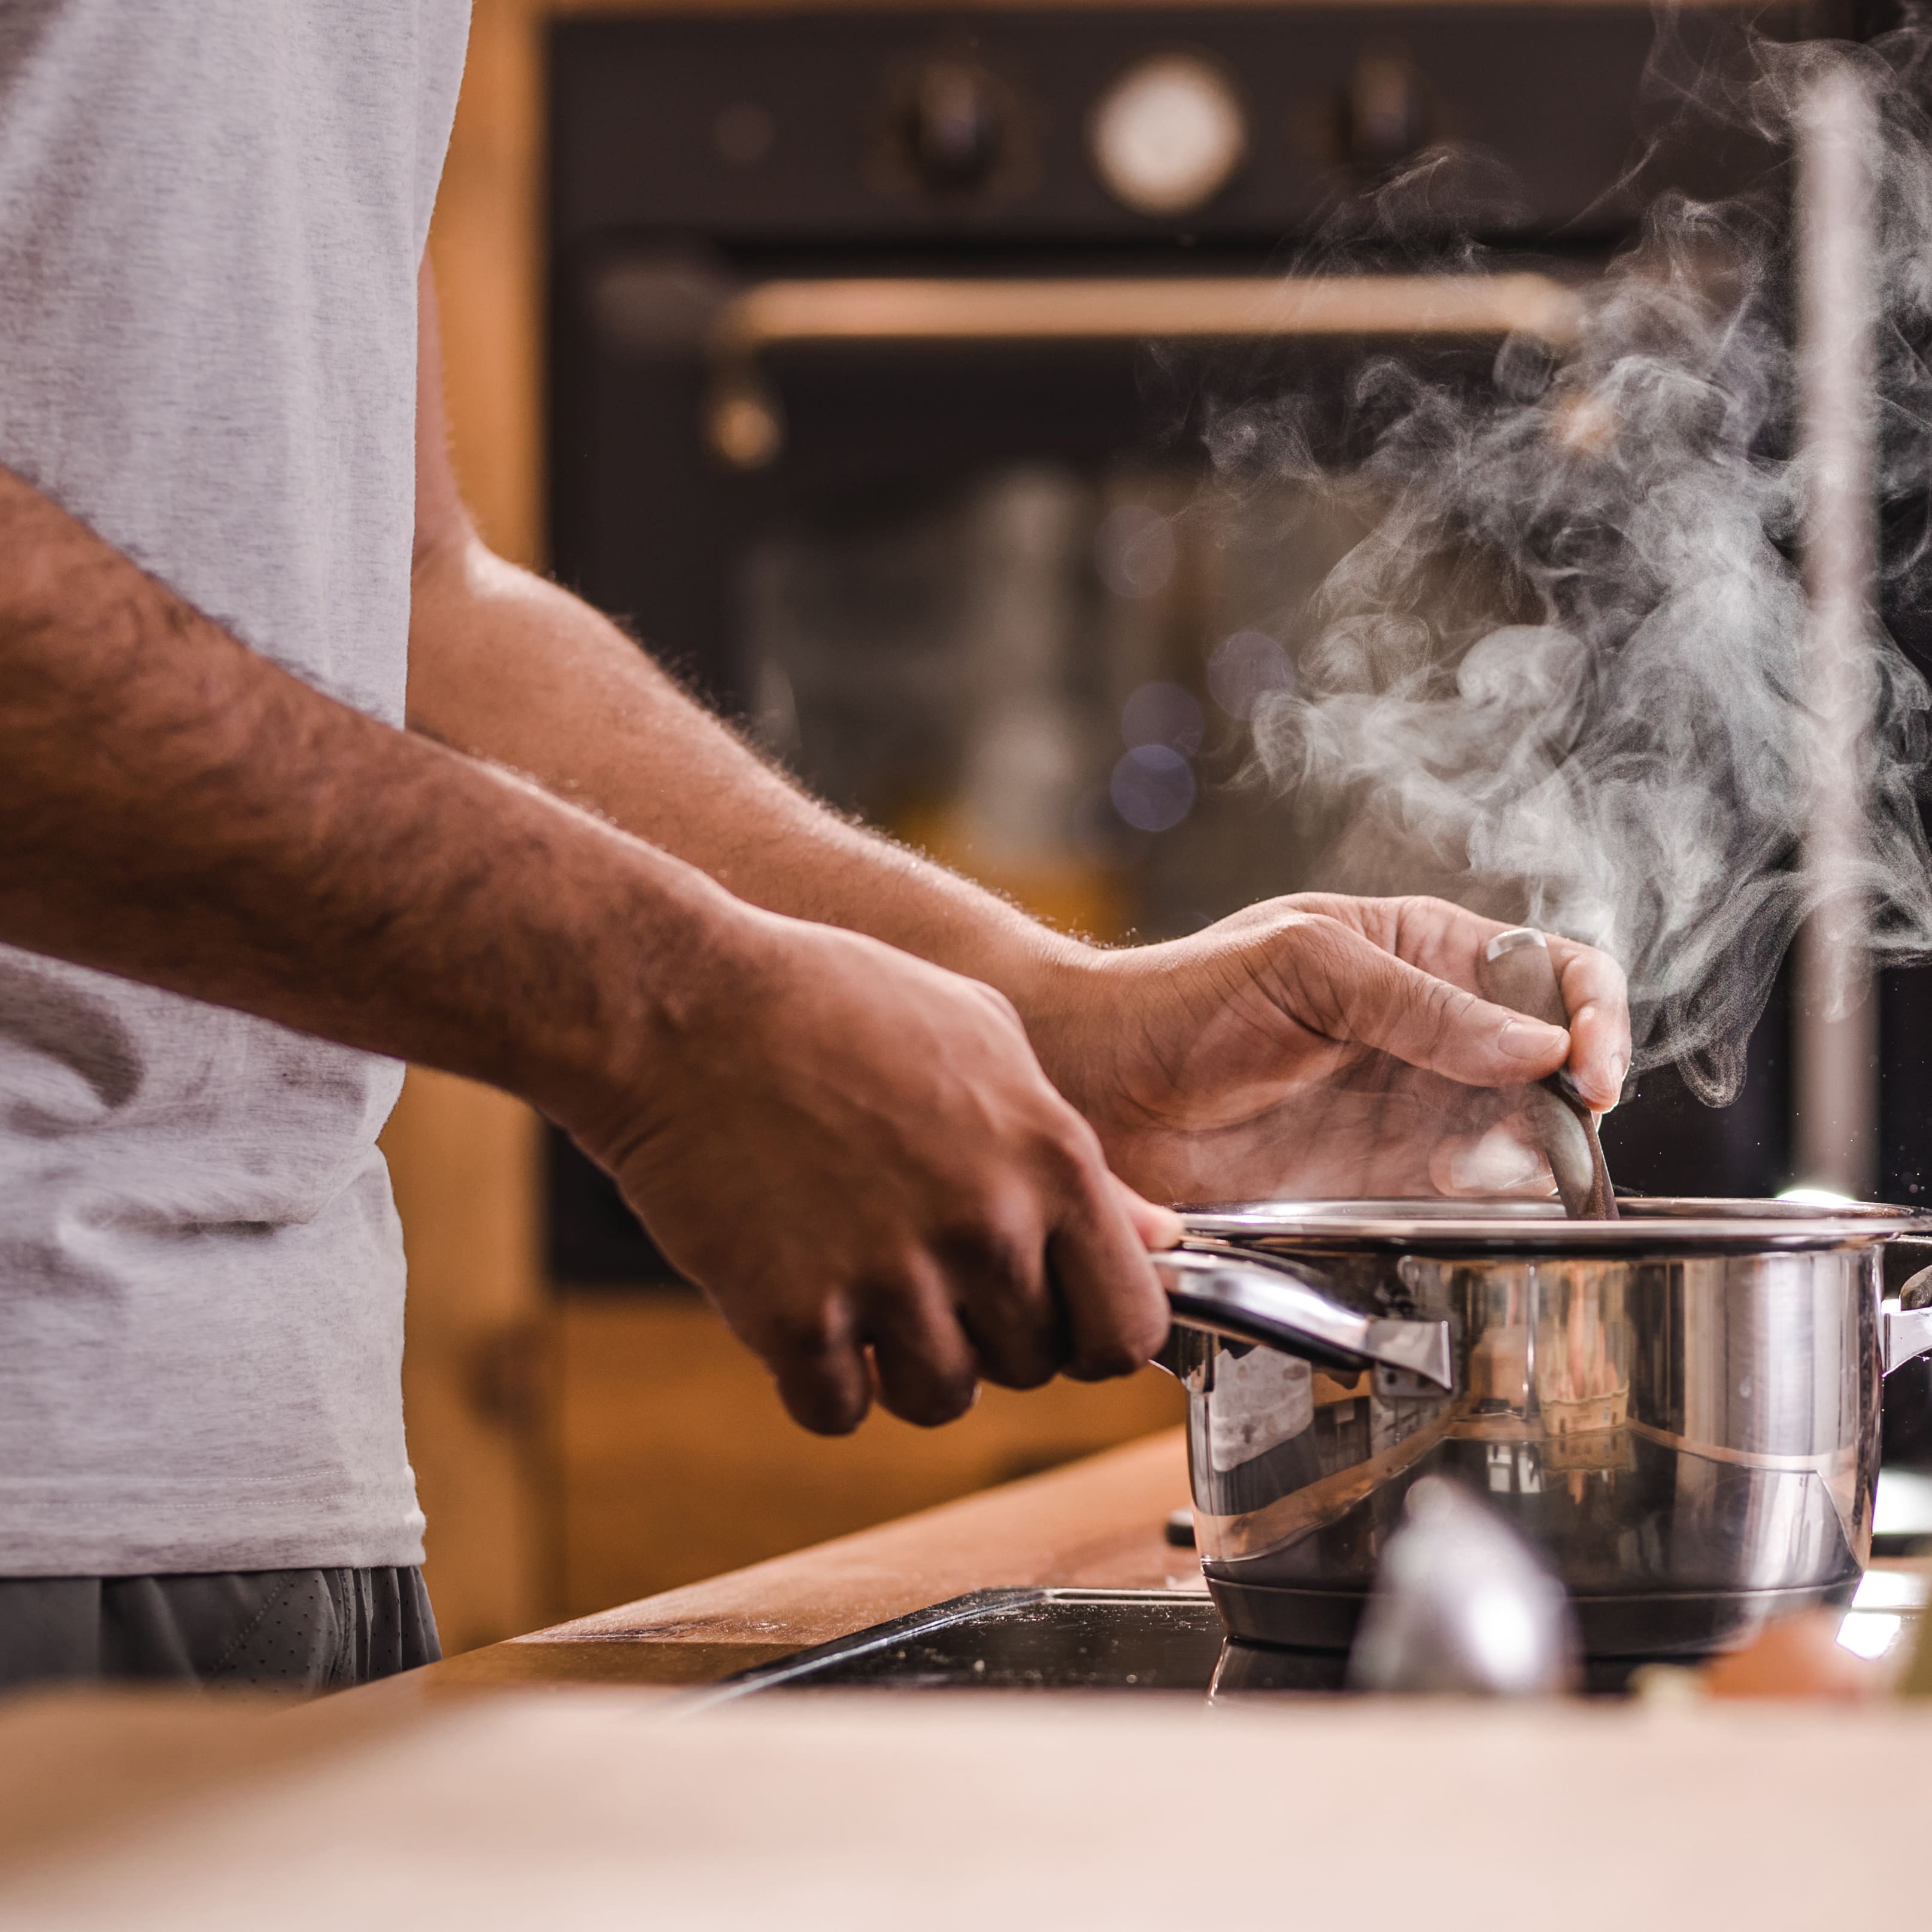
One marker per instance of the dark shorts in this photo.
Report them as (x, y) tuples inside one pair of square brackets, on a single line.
[(286, 1630)]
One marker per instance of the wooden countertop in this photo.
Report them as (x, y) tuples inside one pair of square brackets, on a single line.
[(615, 1808), (543, 1800), (1097, 1523)]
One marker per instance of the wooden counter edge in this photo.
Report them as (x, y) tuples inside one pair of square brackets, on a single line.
[(1096, 1523), (77, 1762)]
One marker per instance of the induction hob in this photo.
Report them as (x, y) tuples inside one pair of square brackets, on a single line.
[(1047, 1639), (1170, 1640)]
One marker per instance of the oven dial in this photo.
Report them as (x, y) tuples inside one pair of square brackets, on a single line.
[(1384, 117), (1168, 135), (953, 125)]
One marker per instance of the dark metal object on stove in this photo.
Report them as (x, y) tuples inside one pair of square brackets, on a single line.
[(1679, 1409), (1517, 971)]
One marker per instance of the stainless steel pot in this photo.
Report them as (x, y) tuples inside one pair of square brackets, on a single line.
[(1679, 1409)]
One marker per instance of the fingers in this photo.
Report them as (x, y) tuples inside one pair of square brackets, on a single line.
[(924, 1367), (927, 1369), (1117, 1314), (819, 1368), (1444, 940), (1330, 977), (992, 1301), (1002, 1299), (1598, 997), (1080, 1296), (1051, 1273), (1157, 1227)]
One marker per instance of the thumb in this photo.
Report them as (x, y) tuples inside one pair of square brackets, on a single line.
[(1333, 980), (1157, 1227)]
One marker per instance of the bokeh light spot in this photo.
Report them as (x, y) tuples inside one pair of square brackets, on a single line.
[(1244, 668), (1153, 788)]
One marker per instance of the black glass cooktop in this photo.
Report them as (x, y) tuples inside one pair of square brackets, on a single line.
[(1047, 1639)]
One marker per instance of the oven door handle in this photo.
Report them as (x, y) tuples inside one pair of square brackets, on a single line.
[(745, 427)]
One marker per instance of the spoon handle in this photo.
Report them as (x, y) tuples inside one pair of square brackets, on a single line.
[(1517, 971)]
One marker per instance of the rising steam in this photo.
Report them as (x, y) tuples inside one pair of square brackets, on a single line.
[(1561, 675)]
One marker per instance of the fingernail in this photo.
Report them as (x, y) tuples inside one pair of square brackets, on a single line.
[(1529, 1039)]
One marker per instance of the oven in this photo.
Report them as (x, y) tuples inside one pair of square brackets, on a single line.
[(888, 353)]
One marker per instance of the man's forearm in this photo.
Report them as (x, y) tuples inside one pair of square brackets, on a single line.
[(177, 809), (509, 668)]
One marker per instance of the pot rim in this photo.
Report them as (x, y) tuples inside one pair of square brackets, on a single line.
[(1648, 1223)]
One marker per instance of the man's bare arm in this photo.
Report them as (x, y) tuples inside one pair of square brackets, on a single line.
[(178, 809), (854, 1151), (511, 667)]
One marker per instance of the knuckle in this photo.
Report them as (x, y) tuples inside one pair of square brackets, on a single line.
[(1124, 1349), (1440, 1006), (998, 1246), (1069, 1151), (805, 1340), (802, 1335), (1314, 932), (899, 1298), (1016, 1332), (1000, 1009), (1316, 968), (1007, 1011)]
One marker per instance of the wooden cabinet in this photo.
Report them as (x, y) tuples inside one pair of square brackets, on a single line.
[(477, 1399), (675, 1461)]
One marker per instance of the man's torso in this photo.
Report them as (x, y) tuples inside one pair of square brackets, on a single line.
[(211, 214)]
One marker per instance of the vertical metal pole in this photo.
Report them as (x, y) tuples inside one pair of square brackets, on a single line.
[(1834, 1070)]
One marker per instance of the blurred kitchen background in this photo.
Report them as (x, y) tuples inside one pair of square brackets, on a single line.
[(949, 544)]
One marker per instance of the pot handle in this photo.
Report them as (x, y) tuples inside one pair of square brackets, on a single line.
[(1285, 1305), (1905, 1322)]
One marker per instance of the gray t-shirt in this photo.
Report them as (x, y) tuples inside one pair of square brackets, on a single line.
[(211, 217)]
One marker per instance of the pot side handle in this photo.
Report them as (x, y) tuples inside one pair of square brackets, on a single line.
[(1277, 1304), (1905, 1322)]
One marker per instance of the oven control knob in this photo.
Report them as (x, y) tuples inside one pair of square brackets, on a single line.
[(953, 126), (1169, 135), (1384, 120)]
